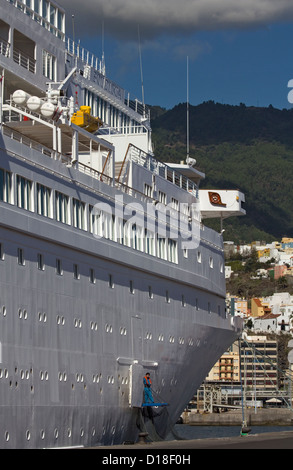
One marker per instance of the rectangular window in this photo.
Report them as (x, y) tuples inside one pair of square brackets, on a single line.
[(79, 214), (24, 193), (162, 197), (41, 265), (167, 297), (175, 204), (148, 190), (5, 186), (131, 287), (172, 251), (151, 295), (44, 201), (1, 252), (76, 271), (92, 276), (111, 282), (59, 269), (49, 66), (183, 302), (62, 207), (149, 243), (20, 257)]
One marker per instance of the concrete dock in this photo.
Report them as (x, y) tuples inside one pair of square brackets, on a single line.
[(262, 417), (275, 440)]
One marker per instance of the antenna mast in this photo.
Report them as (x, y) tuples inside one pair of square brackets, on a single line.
[(187, 112), (103, 65), (140, 61)]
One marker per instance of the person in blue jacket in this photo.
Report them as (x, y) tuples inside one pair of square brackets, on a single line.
[(148, 396)]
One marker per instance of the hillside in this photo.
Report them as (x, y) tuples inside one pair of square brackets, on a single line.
[(238, 147)]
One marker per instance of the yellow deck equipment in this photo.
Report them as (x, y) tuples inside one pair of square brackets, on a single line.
[(84, 119)]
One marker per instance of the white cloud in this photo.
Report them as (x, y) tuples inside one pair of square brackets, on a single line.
[(121, 17)]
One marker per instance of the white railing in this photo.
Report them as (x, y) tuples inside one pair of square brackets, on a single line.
[(20, 5), (24, 60), (155, 166), (15, 135), (4, 47)]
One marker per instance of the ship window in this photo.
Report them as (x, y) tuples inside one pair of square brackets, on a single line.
[(161, 248), (131, 287), (62, 207), (1, 252), (211, 262), (24, 193), (209, 307), (111, 282), (59, 269), (44, 200), (20, 256), (41, 265), (5, 186), (49, 65), (162, 197), (167, 297), (148, 190), (199, 257), (92, 276), (149, 243), (79, 214), (76, 274), (196, 304), (172, 251), (183, 301), (151, 295)]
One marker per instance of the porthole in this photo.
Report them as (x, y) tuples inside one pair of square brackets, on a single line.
[(28, 435), (7, 436), (42, 434)]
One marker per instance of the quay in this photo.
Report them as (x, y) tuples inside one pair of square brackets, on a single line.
[(262, 417), (274, 440)]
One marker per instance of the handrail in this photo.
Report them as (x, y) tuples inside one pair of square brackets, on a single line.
[(24, 60)]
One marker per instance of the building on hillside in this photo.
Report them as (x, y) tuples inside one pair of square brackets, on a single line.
[(259, 307), (267, 323), (287, 243), (259, 363), (226, 368)]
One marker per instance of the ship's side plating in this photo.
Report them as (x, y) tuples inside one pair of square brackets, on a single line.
[(84, 313)]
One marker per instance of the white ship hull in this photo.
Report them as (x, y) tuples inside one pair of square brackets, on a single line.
[(91, 300)]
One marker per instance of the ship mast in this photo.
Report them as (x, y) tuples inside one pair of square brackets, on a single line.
[(187, 112)]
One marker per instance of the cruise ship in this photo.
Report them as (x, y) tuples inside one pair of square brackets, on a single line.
[(107, 270)]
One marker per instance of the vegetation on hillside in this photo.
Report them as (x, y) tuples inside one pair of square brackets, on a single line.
[(243, 282), (238, 147)]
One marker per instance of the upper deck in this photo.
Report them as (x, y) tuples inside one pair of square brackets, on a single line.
[(37, 57)]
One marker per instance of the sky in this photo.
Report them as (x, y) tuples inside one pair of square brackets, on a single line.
[(239, 51)]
